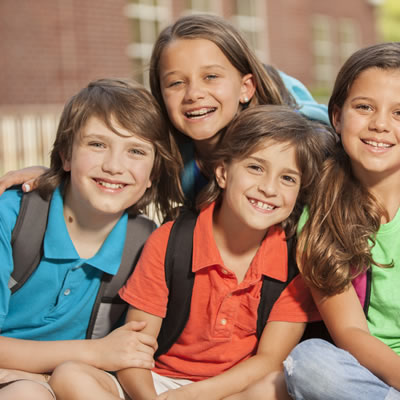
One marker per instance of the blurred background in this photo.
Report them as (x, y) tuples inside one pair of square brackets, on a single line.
[(49, 49)]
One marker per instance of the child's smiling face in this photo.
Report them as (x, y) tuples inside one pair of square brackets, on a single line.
[(109, 172), (260, 190), (369, 124), (201, 89)]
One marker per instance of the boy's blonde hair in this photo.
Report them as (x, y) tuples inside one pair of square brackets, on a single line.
[(135, 110)]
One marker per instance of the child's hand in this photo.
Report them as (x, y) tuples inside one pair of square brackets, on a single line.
[(7, 375), (125, 347), (25, 176)]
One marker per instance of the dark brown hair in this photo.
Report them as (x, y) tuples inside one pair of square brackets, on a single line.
[(135, 110), (260, 125), (335, 243)]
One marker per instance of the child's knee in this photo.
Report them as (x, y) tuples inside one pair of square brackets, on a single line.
[(24, 388), (68, 369), (272, 386), (67, 372)]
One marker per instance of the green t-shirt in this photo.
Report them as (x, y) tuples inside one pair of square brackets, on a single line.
[(384, 309)]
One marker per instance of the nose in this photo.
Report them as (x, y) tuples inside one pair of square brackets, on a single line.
[(268, 185), (112, 162), (194, 91), (380, 122)]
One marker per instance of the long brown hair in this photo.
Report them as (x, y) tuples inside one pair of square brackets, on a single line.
[(135, 110), (231, 43), (335, 243), (263, 124)]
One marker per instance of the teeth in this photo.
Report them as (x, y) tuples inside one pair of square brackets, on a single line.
[(109, 185), (377, 144), (261, 205), (199, 113)]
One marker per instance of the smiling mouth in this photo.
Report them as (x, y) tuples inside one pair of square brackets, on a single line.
[(262, 205), (377, 144), (200, 113), (110, 185)]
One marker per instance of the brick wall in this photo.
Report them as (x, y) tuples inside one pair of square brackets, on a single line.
[(51, 48), (290, 31)]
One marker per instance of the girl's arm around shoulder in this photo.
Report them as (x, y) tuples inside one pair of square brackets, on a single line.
[(138, 382), (25, 176), (346, 322)]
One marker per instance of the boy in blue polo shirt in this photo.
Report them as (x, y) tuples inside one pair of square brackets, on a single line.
[(110, 151)]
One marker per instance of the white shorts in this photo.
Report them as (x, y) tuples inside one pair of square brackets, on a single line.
[(161, 384)]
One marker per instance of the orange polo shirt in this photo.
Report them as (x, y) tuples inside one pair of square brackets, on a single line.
[(221, 329)]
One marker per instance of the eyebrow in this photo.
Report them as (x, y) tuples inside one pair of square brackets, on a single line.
[(287, 170), (362, 98), (137, 141), (205, 67), (357, 98)]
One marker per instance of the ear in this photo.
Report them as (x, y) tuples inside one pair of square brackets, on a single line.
[(248, 88), (336, 116), (149, 184), (220, 175), (66, 163)]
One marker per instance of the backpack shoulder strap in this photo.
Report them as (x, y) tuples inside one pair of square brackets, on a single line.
[(108, 307), (179, 278), (272, 288), (27, 238), (367, 291)]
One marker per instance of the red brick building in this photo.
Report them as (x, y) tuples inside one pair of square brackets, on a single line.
[(51, 48)]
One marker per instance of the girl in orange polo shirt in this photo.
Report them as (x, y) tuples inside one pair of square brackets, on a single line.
[(264, 168)]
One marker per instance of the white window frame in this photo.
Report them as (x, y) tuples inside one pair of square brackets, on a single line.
[(140, 12), (254, 25), (323, 47)]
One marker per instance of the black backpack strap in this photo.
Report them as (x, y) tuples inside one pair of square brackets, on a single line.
[(272, 288), (179, 278), (27, 238), (109, 308), (368, 291)]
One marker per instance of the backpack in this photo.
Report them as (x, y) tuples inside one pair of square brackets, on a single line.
[(362, 286), (27, 244), (180, 278)]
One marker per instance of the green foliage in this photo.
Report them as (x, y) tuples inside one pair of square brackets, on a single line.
[(389, 20)]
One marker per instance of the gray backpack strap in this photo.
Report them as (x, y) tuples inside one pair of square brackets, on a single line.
[(109, 308), (27, 238)]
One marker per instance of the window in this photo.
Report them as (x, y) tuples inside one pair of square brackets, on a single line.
[(323, 50), (202, 6), (349, 38), (249, 17), (148, 18)]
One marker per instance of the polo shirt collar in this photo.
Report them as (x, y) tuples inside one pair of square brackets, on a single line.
[(271, 255), (57, 243)]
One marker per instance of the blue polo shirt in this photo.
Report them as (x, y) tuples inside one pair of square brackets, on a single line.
[(57, 300)]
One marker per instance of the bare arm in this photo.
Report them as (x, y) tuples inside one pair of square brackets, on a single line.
[(345, 320), (138, 382), (276, 342), (25, 176), (127, 346)]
